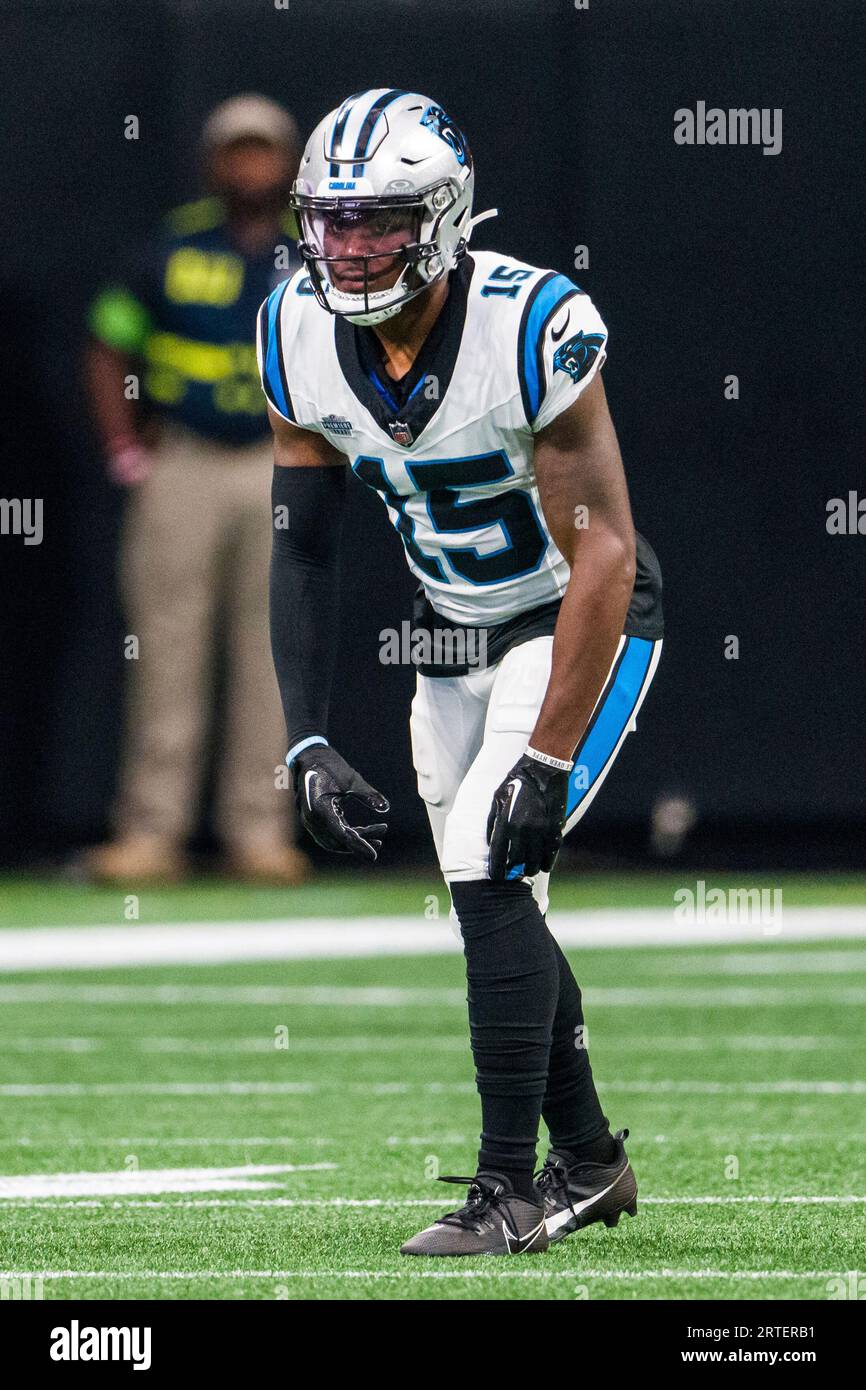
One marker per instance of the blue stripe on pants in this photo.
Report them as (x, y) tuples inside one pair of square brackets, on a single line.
[(611, 719)]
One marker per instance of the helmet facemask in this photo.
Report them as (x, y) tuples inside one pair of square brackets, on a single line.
[(368, 256)]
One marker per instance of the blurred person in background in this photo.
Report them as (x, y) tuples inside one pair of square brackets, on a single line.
[(194, 453)]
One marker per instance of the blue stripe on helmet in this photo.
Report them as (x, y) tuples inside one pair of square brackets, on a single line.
[(365, 134), (343, 115)]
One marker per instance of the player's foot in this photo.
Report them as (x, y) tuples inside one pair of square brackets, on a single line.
[(136, 859), (494, 1221), (278, 864), (576, 1194)]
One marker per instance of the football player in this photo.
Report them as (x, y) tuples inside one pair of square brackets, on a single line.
[(466, 391)]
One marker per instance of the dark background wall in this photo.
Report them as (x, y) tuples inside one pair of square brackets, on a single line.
[(703, 261)]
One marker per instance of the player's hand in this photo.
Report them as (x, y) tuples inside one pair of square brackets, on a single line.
[(524, 828), (323, 782), (129, 462)]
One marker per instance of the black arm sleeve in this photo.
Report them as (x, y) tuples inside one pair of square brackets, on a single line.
[(307, 514)]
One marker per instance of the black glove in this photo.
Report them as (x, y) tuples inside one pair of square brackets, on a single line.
[(524, 828), (323, 780)]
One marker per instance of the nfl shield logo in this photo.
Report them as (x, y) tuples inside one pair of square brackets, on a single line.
[(400, 432)]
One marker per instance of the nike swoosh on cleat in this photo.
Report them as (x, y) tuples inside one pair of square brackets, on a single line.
[(517, 1244), (554, 1222)]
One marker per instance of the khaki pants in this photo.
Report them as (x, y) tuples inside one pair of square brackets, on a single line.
[(196, 551)]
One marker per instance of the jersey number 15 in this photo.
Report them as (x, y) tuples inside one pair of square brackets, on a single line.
[(512, 510)]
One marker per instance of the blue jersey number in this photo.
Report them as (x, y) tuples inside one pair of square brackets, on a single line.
[(510, 291), (442, 480)]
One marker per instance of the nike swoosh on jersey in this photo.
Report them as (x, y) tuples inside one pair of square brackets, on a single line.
[(555, 337)]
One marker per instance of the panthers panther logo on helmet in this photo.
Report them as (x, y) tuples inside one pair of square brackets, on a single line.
[(437, 120)]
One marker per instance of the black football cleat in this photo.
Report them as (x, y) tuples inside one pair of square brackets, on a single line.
[(576, 1195), (494, 1221)]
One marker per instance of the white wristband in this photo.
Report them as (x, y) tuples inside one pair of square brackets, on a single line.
[(549, 761)]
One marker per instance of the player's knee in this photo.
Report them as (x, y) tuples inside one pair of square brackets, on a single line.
[(484, 907), (464, 849)]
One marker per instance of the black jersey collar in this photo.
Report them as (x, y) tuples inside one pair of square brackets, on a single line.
[(359, 351)]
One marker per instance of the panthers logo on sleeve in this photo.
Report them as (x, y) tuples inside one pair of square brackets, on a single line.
[(578, 355)]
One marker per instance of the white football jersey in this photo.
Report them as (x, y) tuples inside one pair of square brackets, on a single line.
[(513, 347)]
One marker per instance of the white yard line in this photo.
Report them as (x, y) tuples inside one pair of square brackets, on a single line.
[(195, 943), (25, 1090), (842, 1199), (137, 1180), (575, 1275), (358, 1203), (459, 1042), (221, 996), (682, 1140), (403, 1044), (733, 1088), (259, 1044), (396, 997), (774, 962), (149, 1141)]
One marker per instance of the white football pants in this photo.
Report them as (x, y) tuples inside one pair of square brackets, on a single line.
[(469, 731)]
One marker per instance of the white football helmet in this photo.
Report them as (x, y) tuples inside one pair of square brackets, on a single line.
[(385, 185)]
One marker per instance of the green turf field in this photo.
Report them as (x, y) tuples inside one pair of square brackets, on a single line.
[(34, 902), (288, 1118)]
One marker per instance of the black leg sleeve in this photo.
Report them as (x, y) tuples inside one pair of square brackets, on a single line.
[(513, 988), (572, 1110)]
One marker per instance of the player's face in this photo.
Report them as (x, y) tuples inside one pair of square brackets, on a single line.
[(380, 234)]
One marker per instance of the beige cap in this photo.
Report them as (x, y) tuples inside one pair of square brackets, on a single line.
[(249, 116)]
